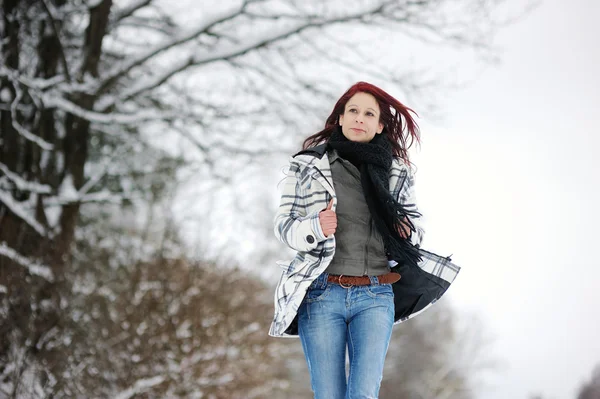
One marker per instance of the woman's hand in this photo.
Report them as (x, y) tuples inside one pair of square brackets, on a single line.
[(328, 220), (404, 230)]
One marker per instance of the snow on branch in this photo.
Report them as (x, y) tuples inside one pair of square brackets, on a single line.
[(35, 83), (122, 70), (19, 128), (34, 268), (100, 196), (130, 9), (93, 3), (18, 210), (23, 184), (141, 385), (51, 11), (225, 53), (53, 101)]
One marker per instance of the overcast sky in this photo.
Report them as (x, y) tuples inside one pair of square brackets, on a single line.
[(510, 183)]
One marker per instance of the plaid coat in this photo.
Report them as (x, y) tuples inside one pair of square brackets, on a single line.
[(307, 189)]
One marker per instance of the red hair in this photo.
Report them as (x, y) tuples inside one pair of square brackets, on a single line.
[(398, 123)]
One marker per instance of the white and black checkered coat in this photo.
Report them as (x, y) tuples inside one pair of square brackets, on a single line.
[(306, 191)]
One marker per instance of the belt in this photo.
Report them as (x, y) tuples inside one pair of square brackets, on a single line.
[(349, 281)]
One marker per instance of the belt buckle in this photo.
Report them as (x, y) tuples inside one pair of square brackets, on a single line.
[(340, 281)]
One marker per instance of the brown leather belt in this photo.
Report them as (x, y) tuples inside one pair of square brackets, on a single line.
[(349, 281)]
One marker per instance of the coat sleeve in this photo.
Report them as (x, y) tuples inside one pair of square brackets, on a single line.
[(294, 226), (407, 196)]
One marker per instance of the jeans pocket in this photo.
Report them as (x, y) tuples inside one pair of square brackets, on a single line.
[(317, 294), (381, 291)]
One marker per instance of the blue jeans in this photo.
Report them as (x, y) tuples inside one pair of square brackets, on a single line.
[(332, 317)]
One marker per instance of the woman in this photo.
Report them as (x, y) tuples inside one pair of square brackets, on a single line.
[(348, 210)]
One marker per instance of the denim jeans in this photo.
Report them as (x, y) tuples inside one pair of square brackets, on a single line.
[(332, 318)]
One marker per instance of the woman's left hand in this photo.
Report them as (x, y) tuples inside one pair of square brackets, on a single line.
[(404, 230)]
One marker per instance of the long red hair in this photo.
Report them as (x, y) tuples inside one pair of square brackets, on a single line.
[(397, 119)]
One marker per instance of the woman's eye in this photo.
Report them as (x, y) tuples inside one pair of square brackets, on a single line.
[(352, 110), (370, 114)]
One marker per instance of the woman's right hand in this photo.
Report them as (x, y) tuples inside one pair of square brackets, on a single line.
[(328, 220)]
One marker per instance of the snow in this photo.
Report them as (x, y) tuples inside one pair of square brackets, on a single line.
[(21, 212), (93, 3), (30, 136), (54, 101), (140, 386), (25, 185), (53, 215), (35, 83), (5, 95), (67, 191), (33, 267), (184, 330), (201, 27)]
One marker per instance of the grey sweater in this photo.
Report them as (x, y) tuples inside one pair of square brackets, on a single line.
[(359, 247)]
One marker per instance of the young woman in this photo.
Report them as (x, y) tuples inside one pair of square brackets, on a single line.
[(348, 210)]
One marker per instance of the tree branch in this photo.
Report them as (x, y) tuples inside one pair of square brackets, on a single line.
[(23, 184), (53, 23), (233, 51), (19, 128), (104, 196), (16, 208), (122, 70), (34, 268), (140, 386), (129, 10), (35, 83), (108, 118)]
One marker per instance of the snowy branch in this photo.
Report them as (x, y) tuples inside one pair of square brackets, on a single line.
[(100, 196), (19, 128), (35, 83), (129, 10), (51, 11), (140, 386), (18, 210), (224, 53), (23, 184), (101, 118), (34, 268), (122, 70)]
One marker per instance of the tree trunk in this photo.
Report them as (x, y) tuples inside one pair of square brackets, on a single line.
[(26, 322)]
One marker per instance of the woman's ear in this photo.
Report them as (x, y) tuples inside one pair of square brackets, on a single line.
[(340, 120), (380, 128)]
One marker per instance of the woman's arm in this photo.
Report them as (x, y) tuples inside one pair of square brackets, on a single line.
[(294, 226), (407, 196)]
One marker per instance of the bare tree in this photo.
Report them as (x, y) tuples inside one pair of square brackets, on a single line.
[(591, 389), (142, 321), (436, 356), (72, 71)]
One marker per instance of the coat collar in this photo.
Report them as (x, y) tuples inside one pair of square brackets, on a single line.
[(315, 162), (317, 151)]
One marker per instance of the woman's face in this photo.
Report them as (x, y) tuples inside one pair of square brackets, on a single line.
[(360, 121)]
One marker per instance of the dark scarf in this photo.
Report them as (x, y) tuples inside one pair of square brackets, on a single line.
[(374, 160)]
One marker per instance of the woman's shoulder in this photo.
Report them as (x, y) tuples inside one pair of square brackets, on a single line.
[(400, 163), (316, 151)]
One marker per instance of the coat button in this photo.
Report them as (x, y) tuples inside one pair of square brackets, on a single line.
[(310, 239)]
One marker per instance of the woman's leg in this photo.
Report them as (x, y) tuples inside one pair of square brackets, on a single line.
[(369, 331), (322, 330)]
